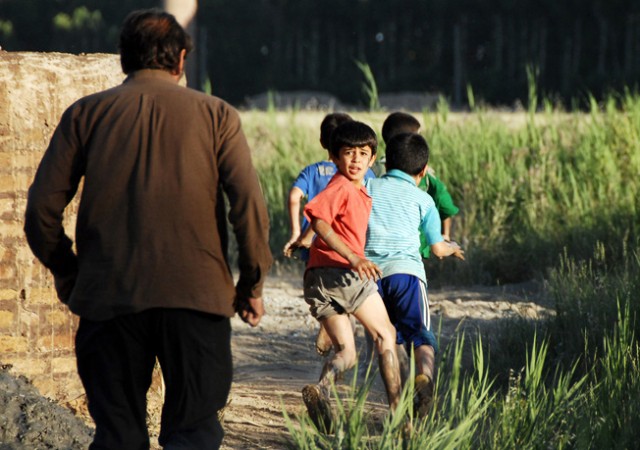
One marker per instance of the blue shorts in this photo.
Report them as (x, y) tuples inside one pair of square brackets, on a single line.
[(405, 297)]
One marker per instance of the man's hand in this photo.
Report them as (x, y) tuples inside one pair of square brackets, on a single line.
[(250, 310)]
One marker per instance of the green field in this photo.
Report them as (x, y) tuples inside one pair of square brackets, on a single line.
[(547, 195)]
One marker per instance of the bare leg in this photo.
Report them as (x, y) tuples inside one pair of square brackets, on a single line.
[(424, 385), (316, 396), (403, 362), (391, 377), (373, 316), (323, 342), (425, 360)]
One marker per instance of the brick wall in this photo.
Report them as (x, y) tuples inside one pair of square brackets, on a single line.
[(36, 330)]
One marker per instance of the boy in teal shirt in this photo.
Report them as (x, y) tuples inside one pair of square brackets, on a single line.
[(400, 122), (400, 213)]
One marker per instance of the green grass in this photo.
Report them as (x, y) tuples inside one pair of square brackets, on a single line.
[(544, 194), (529, 185), (543, 406)]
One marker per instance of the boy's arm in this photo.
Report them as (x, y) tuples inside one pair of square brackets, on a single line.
[(444, 203), (443, 249), (446, 229), (432, 229), (295, 198), (363, 266)]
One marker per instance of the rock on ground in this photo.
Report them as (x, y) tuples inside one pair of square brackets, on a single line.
[(29, 421)]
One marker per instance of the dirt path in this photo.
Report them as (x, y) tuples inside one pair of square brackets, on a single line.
[(274, 361), (272, 364)]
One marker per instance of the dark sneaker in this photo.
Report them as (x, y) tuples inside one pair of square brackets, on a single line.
[(318, 407), (423, 397)]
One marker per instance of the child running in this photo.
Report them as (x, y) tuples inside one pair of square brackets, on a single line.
[(310, 182), (401, 122), (339, 280), (312, 179), (400, 212)]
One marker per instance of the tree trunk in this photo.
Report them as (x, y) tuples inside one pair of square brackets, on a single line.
[(185, 13)]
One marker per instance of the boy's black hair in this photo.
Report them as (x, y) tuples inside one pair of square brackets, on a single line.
[(353, 134), (408, 152), (330, 123), (399, 122)]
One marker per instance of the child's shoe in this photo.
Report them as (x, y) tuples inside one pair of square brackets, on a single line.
[(318, 407), (423, 397)]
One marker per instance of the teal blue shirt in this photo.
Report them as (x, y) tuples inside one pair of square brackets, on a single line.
[(400, 211)]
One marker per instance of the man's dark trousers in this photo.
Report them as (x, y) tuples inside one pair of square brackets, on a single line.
[(115, 363)]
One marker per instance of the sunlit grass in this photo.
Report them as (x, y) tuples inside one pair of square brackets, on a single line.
[(529, 185), (542, 407), (544, 193)]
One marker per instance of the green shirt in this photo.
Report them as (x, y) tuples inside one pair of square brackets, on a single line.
[(444, 204)]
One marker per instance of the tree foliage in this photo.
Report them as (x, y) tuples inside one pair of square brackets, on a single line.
[(444, 46)]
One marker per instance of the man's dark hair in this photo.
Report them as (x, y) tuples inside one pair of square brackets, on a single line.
[(353, 134), (152, 39), (399, 122), (408, 152), (330, 123)]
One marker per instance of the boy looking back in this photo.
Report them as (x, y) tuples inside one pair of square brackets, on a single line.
[(339, 280), (400, 122), (400, 212), (313, 178)]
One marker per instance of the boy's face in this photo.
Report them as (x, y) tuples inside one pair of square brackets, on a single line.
[(353, 162)]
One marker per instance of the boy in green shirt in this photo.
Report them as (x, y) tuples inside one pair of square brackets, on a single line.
[(400, 122)]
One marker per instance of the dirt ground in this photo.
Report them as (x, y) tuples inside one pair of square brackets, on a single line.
[(271, 365), (274, 361)]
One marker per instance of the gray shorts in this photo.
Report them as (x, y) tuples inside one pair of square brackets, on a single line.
[(332, 290)]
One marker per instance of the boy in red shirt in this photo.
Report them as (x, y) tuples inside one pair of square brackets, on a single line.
[(339, 280)]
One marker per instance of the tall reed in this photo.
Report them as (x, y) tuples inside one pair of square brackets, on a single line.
[(544, 405), (529, 185)]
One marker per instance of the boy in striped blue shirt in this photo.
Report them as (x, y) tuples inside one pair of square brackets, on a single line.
[(400, 211)]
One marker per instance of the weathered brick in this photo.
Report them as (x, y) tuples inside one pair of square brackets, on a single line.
[(46, 385), (35, 89), (7, 272), (63, 364), (8, 294), (42, 295), (6, 319), (56, 342), (8, 183), (27, 366), (58, 319), (69, 387), (11, 228), (13, 344), (19, 161), (7, 207)]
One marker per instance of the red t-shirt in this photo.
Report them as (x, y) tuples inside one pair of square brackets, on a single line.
[(346, 208)]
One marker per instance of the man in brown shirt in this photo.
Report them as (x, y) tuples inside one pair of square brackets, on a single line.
[(150, 276)]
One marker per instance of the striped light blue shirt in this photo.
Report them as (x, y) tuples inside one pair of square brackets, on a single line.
[(400, 210)]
